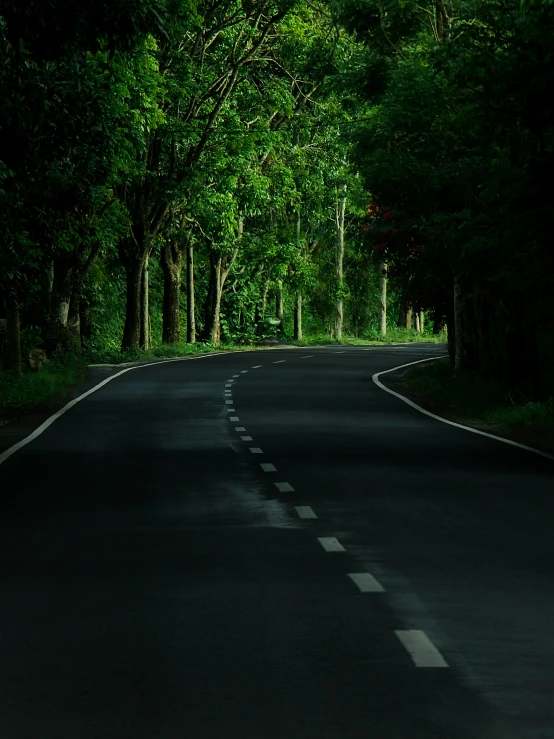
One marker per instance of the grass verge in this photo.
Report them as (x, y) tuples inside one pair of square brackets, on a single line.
[(467, 394), (28, 390)]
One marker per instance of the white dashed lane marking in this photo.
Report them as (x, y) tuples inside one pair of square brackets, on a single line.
[(284, 487), (280, 361), (229, 384), (307, 356), (243, 372), (240, 428), (268, 467), (233, 418), (228, 392), (366, 582), (256, 450), (421, 649), (257, 366), (331, 544), (247, 438), (230, 410), (229, 402), (304, 511), (236, 375)]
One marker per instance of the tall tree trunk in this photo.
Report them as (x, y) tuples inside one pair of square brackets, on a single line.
[(340, 210), (261, 305), (438, 321), (383, 300), (458, 323), (212, 307), (172, 263), (421, 321), (409, 317), (144, 340), (298, 315), (417, 322), (279, 310), (191, 314), (58, 335), (131, 333), (402, 313), (13, 340), (85, 319), (74, 317)]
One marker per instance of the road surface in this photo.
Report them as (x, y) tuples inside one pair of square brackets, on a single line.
[(266, 545)]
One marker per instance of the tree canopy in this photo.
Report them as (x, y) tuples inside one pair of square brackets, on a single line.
[(213, 165)]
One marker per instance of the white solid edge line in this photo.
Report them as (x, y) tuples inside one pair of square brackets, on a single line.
[(305, 511), (366, 582), (421, 649), (409, 402), (49, 421)]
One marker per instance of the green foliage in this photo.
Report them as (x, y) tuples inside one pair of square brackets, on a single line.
[(467, 395), (24, 392)]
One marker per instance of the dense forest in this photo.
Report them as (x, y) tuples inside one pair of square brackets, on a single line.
[(181, 171)]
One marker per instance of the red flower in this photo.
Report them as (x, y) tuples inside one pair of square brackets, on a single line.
[(387, 215)]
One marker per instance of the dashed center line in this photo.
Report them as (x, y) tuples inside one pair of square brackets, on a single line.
[(421, 649), (284, 487), (233, 418), (229, 402), (305, 511), (240, 428), (228, 392), (257, 366), (268, 467), (243, 372), (230, 410), (340, 352), (229, 384), (280, 361), (256, 450), (366, 582), (236, 375), (331, 544), (307, 356), (247, 438)]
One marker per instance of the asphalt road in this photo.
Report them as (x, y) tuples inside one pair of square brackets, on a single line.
[(158, 583)]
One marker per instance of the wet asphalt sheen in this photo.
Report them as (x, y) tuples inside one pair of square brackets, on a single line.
[(350, 569)]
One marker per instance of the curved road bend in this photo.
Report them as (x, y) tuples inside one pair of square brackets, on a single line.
[(216, 549)]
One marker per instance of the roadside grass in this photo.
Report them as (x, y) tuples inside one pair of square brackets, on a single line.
[(167, 351), (468, 394), (393, 336), (26, 391)]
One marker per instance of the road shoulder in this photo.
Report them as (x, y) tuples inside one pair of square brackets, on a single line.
[(541, 439)]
